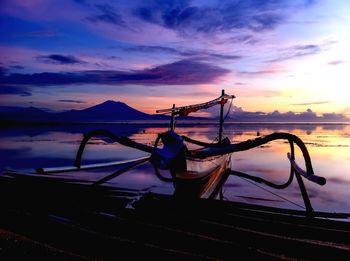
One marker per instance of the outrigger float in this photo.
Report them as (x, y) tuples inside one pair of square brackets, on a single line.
[(195, 222)]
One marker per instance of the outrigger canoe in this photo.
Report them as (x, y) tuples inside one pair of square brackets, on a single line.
[(97, 219)]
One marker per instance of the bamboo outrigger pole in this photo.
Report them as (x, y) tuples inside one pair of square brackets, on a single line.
[(186, 110), (222, 104)]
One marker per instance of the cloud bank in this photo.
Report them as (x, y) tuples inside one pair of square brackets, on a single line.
[(183, 72), (239, 115), (186, 17), (59, 59)]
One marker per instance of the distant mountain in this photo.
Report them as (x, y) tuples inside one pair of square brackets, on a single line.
[(107, 111), (112, 111), (22, 114)]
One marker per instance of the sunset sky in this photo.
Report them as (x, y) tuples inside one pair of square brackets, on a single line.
[(273, 55)]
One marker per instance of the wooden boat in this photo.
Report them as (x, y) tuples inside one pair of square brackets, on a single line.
[(198, 173), (193, 177), (87, 212)]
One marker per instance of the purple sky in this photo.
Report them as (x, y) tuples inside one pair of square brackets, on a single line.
[(287, 55)]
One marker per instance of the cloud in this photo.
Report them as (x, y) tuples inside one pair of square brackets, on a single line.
[(262, 72), (59, 59), (346, 110), (80, 1), (218, 17), (17, 67), (334, 117), (107, 14), (183, 52), (299, 51), (38, 34), (225, 56), (152, 49), (310, 103), (238, 114), (336, 62), (14, 90), (71, 101), (243, 39), (183, 72), (3, 70), (112, 57)]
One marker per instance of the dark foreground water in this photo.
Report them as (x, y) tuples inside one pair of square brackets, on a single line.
[(328, 144)]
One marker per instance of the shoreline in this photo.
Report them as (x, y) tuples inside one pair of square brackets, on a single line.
[(6, 124)]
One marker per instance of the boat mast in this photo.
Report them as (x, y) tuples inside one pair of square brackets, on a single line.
[(172, 121), (222, 104)]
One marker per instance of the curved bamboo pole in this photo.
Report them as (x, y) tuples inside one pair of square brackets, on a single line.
[(249, 144), (122, 140)]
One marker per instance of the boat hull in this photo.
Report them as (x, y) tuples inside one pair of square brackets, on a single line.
[(203, 178)]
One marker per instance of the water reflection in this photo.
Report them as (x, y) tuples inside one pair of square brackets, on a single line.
[(329, 147)]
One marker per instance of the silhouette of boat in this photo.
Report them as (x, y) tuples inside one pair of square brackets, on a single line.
[(195, 222)]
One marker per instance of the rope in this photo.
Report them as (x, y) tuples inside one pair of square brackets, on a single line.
[(264, 181), (283, 198)]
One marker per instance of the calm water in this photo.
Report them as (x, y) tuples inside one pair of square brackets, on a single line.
[(329, 146)]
